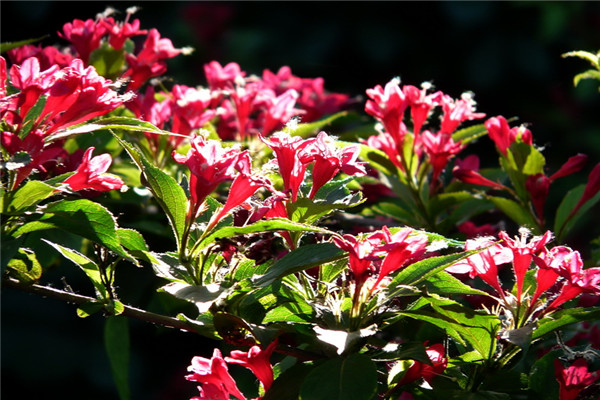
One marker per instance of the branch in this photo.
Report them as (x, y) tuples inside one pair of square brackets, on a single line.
[(78, 299)]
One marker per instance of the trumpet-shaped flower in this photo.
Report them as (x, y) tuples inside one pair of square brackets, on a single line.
[(421, 104), (210, 164), (388, 106), (119, 32), (214, 375), (256, 360), (439, 148), (91, 174), (574, 379), (523, 253), (85, 36), (190, 108), (277, 109), (221, 78), (458, 111), (503, 136), (330, 159), (437, 355)]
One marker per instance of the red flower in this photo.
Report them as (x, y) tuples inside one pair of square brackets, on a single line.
[(503, 136), (458, 111), (120, 32), (91, 174), (591, 188), (226, 77), (329, 160), (190, 109), (47, 56), (277, 110), (484, 263), (289, 152), (421, 104), (475, 178), (85, 36), (574, 379), (386, 143), (214, 376), (471, 231), (388, 106), (439, 148), (523, 253), (418, 369), (210, 164), (256, 360)]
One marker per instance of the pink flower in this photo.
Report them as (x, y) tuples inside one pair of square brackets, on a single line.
[(418, 369), (91, 174), (523, 252), (439, 148), (47, 56), (458, 111), (158, 113), (220, 78), (475, 178), (277, 110), (388, 106), (574, 379), (120, 32), (256, 360), (214, 376), (401, 248), (421, 104), (210, 164), (484, 263), (503, 136), (329, 160), (591, 188), (85, 36), (289, 152), (472, 231), (150, 61), (386, 143), (190, 109)]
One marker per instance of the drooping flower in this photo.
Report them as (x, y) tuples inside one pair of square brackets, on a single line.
[(573, 379), (591, 189), (210, 164), (214, 372), (91, 174), (421, 104), (475, 178), (523, 253), (420, 370), (256, 360), (329, 159)]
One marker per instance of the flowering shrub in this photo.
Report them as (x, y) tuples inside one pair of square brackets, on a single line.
[(325, 292)]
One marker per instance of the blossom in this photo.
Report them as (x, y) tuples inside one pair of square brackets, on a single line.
[(289, 153), (472, 231), (190, 109), (277, 110), (210, 164), (214, 376), (475, 178), (388, 106), (574, 379), (47, 56), (523, 252), (329, 160), (120, 32), (458, 111), (503, 136), (591, 189), (91, 174), (483, 263), (386, 143), (85, 36), (439, 148), (436, 354), (219, 77), (256, 360), (401, 248), (421, 104)]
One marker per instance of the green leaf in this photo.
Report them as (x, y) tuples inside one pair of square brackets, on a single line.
[(542, 379), (270, 225), (443, 283), (32, 117), (81, 217), (116, 342), (25, 197), (89, 308), (308, 211), (202, 296), (307, 129), (565, 317), (107, 61), (563, 224), (514, 211), (592, 58), (168, 266), (300, 259), (10, 247), (291, 311), (350, 378), (165, 189), (132, 240), (25, 266), (6, 46), (122, 123), (470, 133), (378, 159), (421, 270), (287, 385), (90, 268)]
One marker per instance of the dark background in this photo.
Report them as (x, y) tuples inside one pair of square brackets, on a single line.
[(507, 53)]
